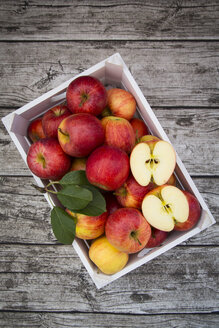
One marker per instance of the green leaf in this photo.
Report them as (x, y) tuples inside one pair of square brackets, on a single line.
[(97, 206), (74, 178), (63, 225), (74, 197)]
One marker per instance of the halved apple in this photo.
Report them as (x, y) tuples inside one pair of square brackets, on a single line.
[(164, 206), (152, 161)]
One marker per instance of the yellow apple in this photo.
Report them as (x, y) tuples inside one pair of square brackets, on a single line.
[(106, 257)]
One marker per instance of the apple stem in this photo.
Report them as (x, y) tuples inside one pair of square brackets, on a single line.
[(137, 138), (84, 98), (138, 241), (65, 134), (133, 234)]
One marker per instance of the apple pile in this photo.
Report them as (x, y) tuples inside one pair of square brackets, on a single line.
[(115, 181)]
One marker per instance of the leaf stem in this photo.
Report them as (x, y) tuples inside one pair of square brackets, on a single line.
[(50, 199), (51, 191), (51, 183)]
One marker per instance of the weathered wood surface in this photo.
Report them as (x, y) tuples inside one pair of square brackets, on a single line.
[(170, 74), (171, 48), (48, 278), (25, 213), (96, 320), (108, 20), (186, 128)]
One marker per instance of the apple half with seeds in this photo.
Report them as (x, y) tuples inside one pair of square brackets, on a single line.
[(152, 161), (165, 206)]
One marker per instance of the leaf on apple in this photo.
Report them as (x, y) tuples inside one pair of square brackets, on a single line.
[(75, 197), (74, 178), (63, 225), (97, 206)]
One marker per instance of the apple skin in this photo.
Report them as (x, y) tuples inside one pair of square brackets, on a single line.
[(35, 130), (120, 103), (157, 238), (139, 127), (78, 164), (131, 194), (89, 227), (52, 119), (47, 160), (106, 257), (150, 140), (149, 137), (86, 94), (107, 167), (118, 133), (194, 213), (127, 230), (80, 134), (111, 203)]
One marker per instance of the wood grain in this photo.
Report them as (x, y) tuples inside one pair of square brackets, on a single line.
[(25, 214), (186, 128), (96, 320), (109, 20), (170, 74), (171, 48), (52, 278)]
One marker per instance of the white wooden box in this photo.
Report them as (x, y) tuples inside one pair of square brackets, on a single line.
[(111, 71)]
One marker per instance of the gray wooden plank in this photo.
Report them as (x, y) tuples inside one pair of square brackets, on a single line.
[(52, 278), (170, 74), (108, 20), (96, 320), (193, 132), (25, 214)]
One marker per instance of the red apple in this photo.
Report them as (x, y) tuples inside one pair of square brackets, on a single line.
[(111, 203), (127, 230), (120, 103), (86, 94), (131, 194), (78, 164), (194, 213), (80, 134), (35, 130), (139, 127), (47, 160), (89, 227), (157, 238), (52, 118), (107, 167), (118, 133)]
